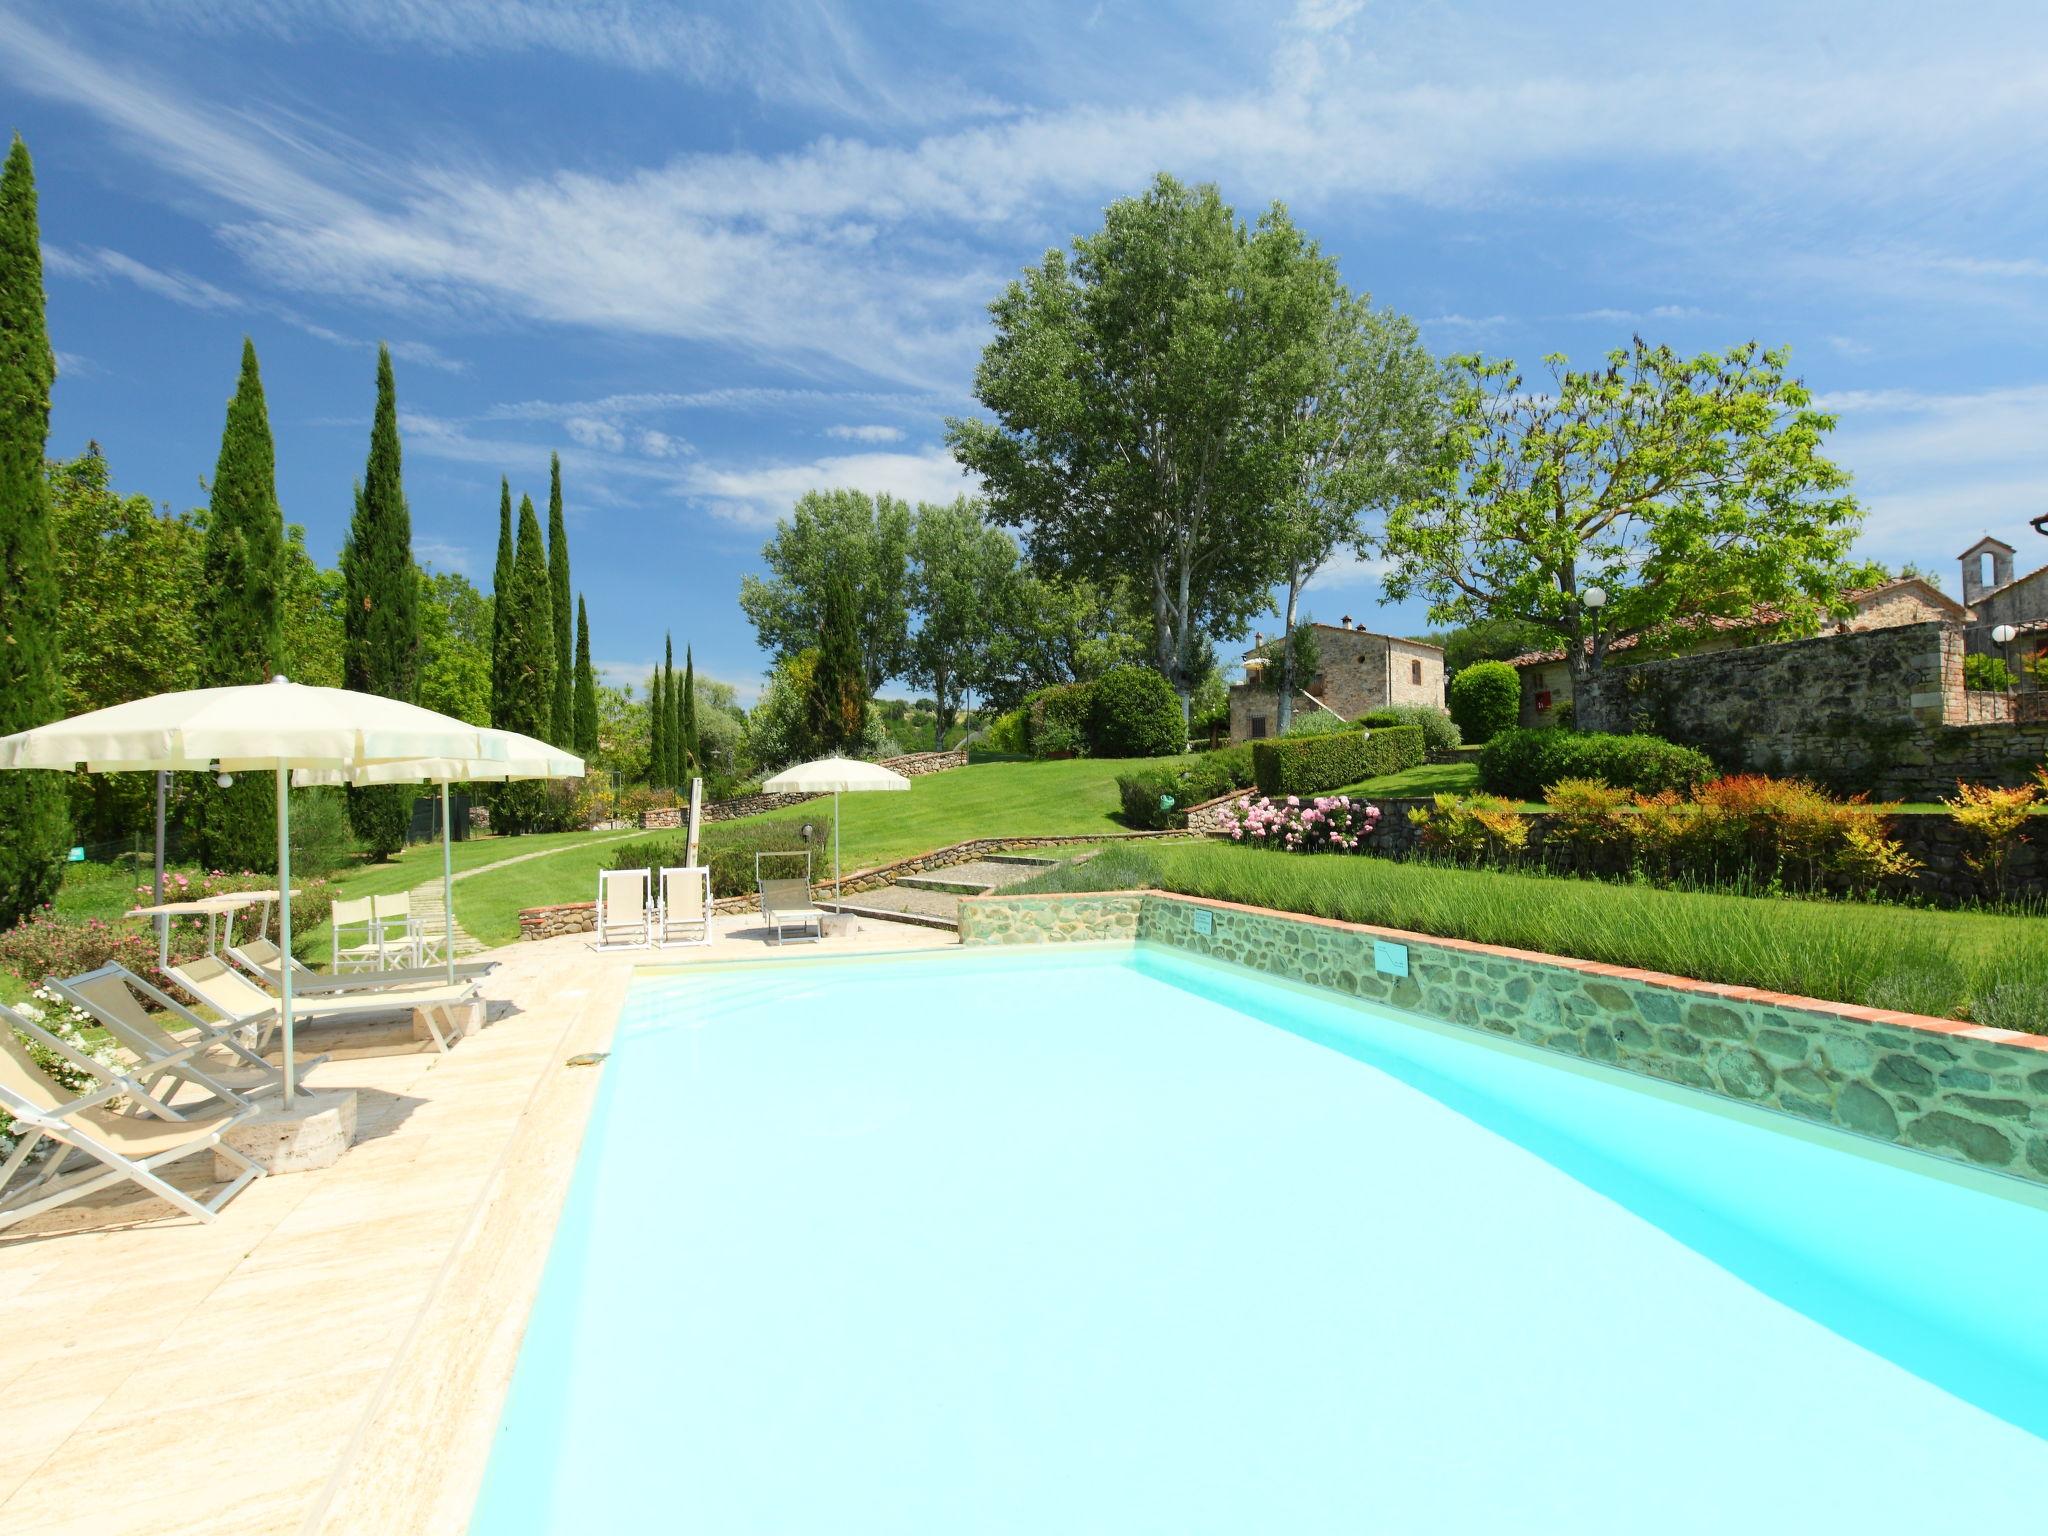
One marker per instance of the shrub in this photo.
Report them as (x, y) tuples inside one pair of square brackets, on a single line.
[(1056, 720), (1316, 722), (1588, 818), (1439, 732), (1522, 761), (1995, 820), (1311, 765), (1134, 712), (1154, 798), (1218, 773), (1471, 828), (1986, 674), (727, 848), (1006, 734), (48, 945), (1324, 824), (1486, 699)]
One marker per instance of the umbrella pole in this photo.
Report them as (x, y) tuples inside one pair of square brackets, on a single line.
[(284, 927), (447, 886), (835, 845)]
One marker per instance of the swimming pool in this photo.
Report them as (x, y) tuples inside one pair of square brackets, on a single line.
[(1119, 1240)]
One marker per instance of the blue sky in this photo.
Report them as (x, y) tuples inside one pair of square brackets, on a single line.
[(716, 256)]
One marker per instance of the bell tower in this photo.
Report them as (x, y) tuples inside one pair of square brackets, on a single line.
[(1987, 565)]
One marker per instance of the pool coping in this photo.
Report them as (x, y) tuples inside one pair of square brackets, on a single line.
[(1720, 991)]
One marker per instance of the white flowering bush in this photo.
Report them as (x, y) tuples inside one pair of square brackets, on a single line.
[(71, 1025), (1319, 824)]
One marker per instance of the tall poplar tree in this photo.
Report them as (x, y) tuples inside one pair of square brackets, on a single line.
[(501, 584), (240, 612), (586, 688), (692, 763), (530, 663), (34, 824), (657, 731), (380, 610), (562, 710)]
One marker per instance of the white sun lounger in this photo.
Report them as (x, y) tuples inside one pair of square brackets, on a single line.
[(117, 1146), (786, 903), (242, 1001), (208, 1056), (624, 918), (683, 913), (259, 957)]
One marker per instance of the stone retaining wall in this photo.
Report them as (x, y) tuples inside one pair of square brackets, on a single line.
[(1958, 1091), (913, 764)]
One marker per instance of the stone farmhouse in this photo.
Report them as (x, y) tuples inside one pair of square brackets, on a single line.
[(1358, 671), (1991, 597)]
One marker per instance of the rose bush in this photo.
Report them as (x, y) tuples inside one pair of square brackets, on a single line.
[(1321, 824)]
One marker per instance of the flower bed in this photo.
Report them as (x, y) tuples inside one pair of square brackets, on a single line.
[(1322, 824)]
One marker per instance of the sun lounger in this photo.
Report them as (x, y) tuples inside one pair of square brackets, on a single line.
[(242, 1001), (786, 904), (683, 914), (624, 920), (116, 1145), (259, 957), (208, 1056)]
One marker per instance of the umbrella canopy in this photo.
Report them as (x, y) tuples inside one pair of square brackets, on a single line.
[(256, 725), (830, 775), (834, 775), (518, 757), (278, 725)]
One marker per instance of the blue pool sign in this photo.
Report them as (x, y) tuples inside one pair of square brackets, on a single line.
[(1389, 959), (1205, 920), (76, 856)]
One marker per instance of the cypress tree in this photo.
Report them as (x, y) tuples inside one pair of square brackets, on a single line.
[(586, 688), (34, 824), (380, 611), (530, 662), (241, 612), (501, 585), (562, 710), (675, 717), (836, 703), (692, 763), (657, 731)]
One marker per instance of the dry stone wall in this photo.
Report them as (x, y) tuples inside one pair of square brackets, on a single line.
[(1958, 1091)]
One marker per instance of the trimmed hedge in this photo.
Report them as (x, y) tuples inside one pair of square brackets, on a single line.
[(1314, 765), (1486, 699), (1440, 732), (1135, 713), (1524, 762)]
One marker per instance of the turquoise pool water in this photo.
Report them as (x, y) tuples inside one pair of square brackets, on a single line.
[(1115, 1241)]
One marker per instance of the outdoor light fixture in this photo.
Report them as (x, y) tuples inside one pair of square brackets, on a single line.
[(2005, 634), (1594, 598), (222, 779)]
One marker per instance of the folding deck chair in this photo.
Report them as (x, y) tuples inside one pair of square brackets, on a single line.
[(624, 915), (682, 914), (210, 1057)]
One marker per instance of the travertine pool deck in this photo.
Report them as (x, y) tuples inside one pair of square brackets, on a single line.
[(330, 1354)]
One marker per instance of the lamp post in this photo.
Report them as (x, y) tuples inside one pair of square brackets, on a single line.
[(1592, 599)]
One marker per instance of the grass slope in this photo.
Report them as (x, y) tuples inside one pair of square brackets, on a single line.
[(981, 800), (1985, 966)]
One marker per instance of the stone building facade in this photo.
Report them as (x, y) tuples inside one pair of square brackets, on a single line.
[(1996, 597), (1882, 710), (1358, 671), (1547, 681)]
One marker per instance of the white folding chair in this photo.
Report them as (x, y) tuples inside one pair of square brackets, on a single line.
[(623, 916), (683, 913)]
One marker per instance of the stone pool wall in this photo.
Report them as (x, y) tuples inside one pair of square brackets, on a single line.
[(1956, 1090)]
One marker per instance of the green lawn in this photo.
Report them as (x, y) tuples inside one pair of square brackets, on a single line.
[(1986, 966), (981, 800), (1424, 779)]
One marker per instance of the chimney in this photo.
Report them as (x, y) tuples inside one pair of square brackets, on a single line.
[(1346, 621)]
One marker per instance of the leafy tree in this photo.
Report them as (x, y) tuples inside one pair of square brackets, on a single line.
[(1143, 394), (529, 639), (241, 613), (129, 579), (456, 622), (1486, 640), (779, 726), (34, 828), (961, 574), (692, 761), (380, 619), (1356, 435), (562, 713), (1681, 487), (314, 595), (836, 703), (657, 730), (586, 688), (1061, 631), (844, 533), (501, 583)]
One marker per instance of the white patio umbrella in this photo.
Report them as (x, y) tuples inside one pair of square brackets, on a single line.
[(833, 775), (522, 757), (278, 726)]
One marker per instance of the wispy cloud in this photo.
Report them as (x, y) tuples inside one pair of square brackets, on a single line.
[(866, 434), (755, 495), (442, 555)]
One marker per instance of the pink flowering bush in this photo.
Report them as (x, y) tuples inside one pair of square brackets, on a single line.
[(1318, 824)]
